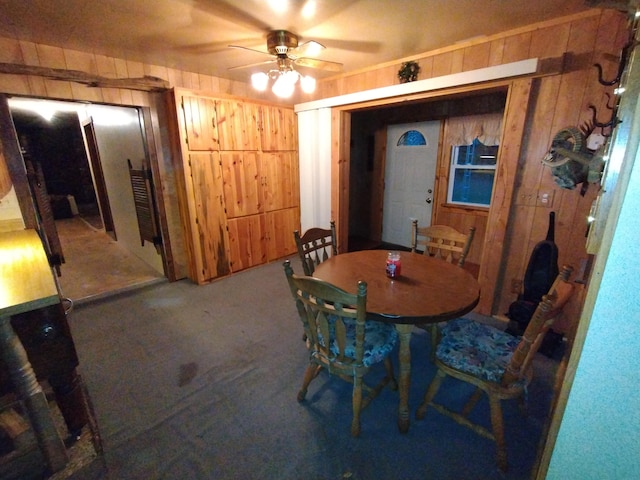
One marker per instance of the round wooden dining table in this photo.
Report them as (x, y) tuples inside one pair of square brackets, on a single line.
[(428, 290)]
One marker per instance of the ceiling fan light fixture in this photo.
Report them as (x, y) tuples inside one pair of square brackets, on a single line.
[(260, 81), (308, 84), (283, 86)]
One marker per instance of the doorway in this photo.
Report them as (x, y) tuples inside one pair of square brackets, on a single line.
[(94, 263), (410, 173), (98, 179)]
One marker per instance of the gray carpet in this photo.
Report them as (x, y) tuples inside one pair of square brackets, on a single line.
[(200, 382)]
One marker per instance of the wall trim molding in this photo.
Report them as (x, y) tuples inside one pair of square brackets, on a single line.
[(498, 72)]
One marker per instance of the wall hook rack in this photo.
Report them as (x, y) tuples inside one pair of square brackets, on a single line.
[(611, 123), (624, 57)]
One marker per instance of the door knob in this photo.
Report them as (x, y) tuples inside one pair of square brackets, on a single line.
[(428, 200)]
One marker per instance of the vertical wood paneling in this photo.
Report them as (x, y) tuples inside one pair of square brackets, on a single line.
[(340, 139), (10, 51), (29, 53), (524, 230), (442, 64), (426, 68), (549, 42), (106, 67), (476, 56), (496, 52), (517, 47), (512, 131), (207, 84), (572, 87), (457, 59)]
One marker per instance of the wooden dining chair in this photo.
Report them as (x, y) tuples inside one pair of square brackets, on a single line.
[(315, 246), (494, 361), (446, 243), (442, 241), (341, 339)]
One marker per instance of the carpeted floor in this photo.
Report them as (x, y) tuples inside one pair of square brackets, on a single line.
[(200, 382)]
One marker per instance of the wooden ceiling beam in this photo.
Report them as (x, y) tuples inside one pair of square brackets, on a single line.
[(145, 84)]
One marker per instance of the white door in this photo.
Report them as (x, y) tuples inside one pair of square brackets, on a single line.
[(410, 172)]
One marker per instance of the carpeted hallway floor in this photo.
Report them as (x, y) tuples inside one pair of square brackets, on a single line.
[(200, 382)]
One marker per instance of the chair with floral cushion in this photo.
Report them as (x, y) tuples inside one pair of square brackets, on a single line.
[(316, 246), (341, 340), (494, 361)]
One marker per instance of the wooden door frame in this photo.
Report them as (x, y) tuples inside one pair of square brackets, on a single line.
[(518, 97), (15, 164), (18, 175), (377, 185), (93, 152)]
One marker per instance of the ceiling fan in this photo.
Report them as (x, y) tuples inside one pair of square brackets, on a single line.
[(286, 52), (283, 46)]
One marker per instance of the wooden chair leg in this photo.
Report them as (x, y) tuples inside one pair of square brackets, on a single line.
[(473, 400), (431, 392), (357, 405), (498, 432), (388, 366), (523, 403), (310, 373)]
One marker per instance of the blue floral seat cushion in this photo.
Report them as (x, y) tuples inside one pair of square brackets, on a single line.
[(472, 347), (379, 340)]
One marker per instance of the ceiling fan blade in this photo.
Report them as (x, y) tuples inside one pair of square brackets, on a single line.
[(352, 45), (250, 49), (320, 64), (232, 13), (249, 65), (310, 48)]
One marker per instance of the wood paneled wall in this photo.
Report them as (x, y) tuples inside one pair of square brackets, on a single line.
[(34, 54), (557, 100), (39, 55)]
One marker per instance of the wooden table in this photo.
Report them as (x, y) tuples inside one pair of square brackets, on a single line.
[(27, 283), (429, 290)]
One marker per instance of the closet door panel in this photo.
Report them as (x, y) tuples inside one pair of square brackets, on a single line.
[(242, 183), (247, 242), (209, 235)]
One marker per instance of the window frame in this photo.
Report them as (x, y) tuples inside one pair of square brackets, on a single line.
[(454, 166)]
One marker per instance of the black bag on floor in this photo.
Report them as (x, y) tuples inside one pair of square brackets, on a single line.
[(542, 270)]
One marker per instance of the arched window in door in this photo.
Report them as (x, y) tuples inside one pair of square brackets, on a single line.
[(412, 138)]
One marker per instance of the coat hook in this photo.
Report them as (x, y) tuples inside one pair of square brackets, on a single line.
[(611, 123), (626, 50), (610, 107)]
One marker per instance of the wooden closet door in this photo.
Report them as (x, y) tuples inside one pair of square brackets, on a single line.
[(278, 129), (209, 238), (281, 180), (242, 183), (237, 124), (200, 127), (247, 241), (281, 224)]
